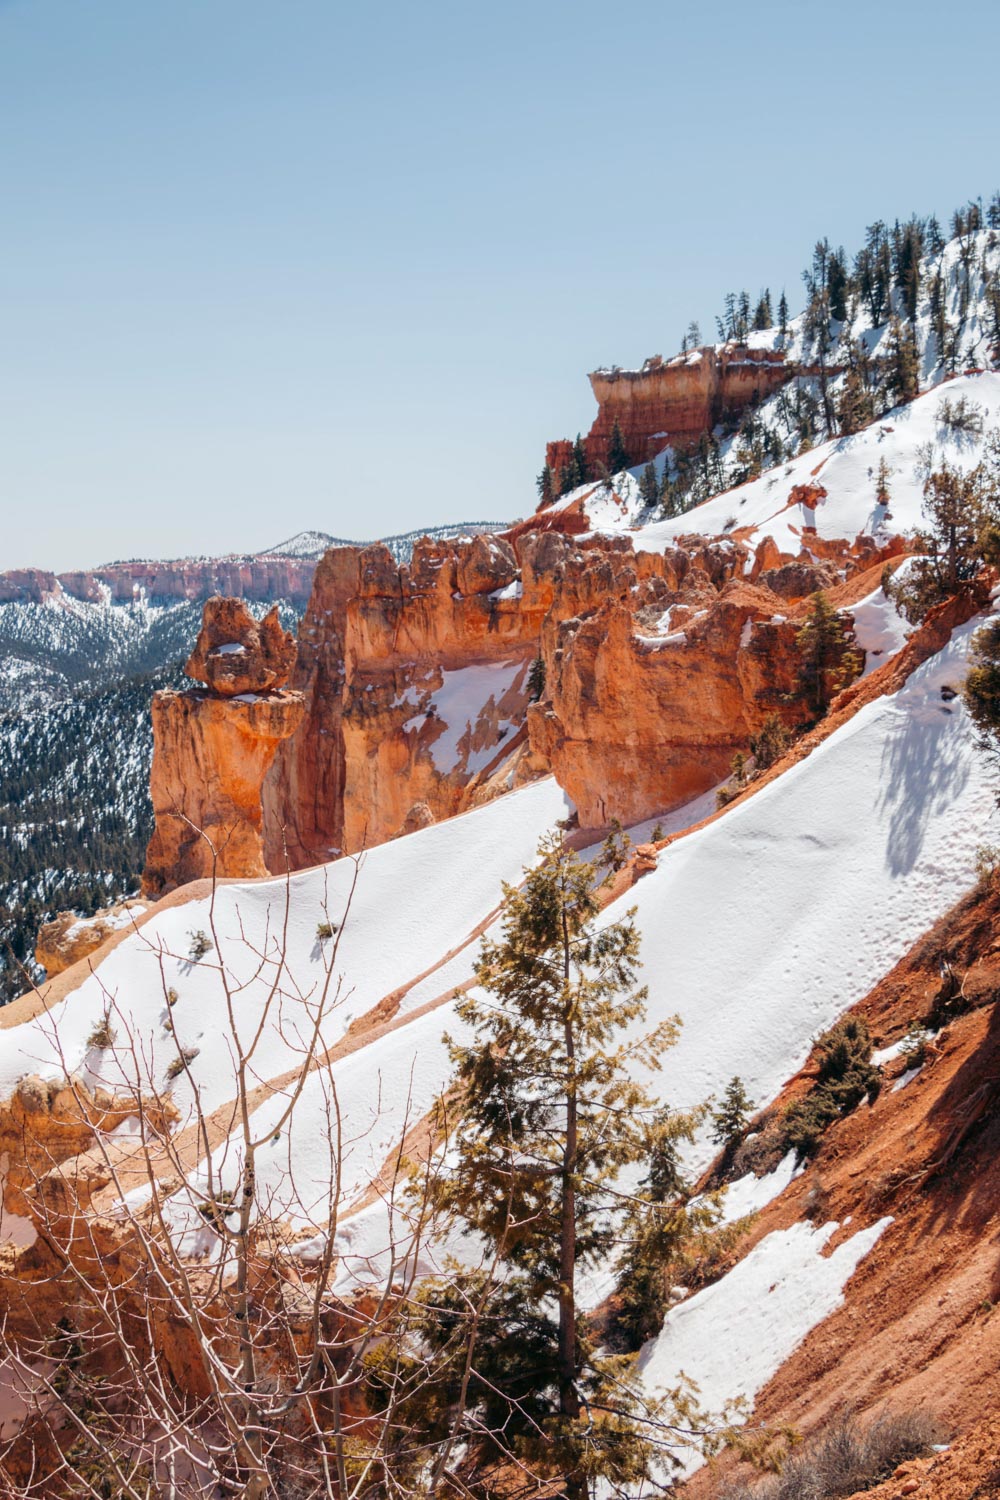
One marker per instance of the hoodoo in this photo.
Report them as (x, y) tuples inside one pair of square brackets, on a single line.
[(212, 748)]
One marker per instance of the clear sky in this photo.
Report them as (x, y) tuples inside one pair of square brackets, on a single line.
[(277, 264)]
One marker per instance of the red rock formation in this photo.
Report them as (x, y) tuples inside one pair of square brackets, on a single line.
[(234, 654), (675, 402), (415, 679), (70, 937), (213, 749)]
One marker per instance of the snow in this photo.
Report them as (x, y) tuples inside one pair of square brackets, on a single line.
[(759, 929), (229, 648), (416, 899), (733, 1336), (465, 705), (845, 467), (749, 1194), (879, 628)]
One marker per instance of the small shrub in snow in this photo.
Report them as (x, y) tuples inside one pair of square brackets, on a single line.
[(177, 1065), (848, 1457), (770, 743), (201, 944), (172, 996), (216, 1210), (961, 415), (103, 1034), (845, 1076), (325, 931), (914, 1048), (988, 864), (657, 834)]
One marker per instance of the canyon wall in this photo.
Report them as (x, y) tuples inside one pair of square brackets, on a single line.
[(657, 668), (675, 401), (260, 579)]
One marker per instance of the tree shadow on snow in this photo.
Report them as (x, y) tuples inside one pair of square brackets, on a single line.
[(924, 770)]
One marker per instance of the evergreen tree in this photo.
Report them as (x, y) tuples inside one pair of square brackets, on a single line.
[(730, 1120), (536, 679), (763, 317), (903, 374), (882, 483), (618, 454), (855, 404), (770, 743), (545, 1116), (827, 660), (961, 532), (567, 478), (837, 285), (649, 485), (982, 689), (581, 463), (783, 315), (546, 485)]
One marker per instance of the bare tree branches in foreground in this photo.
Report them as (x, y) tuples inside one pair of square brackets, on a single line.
[(175, 1330)]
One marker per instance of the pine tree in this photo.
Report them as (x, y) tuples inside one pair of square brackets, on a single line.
[(618, 455), (763, 317), (783, 315), (827, 661), (770, 743), (567, 478), (982, 689), (961, 532), (903, 362), (581, 463), (545, 1116), (730, 1120), (649, 485), (546, 485), (882, 482), (536, 679)]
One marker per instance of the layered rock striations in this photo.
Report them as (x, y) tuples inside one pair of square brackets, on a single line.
[(657, 668), (213, 747), (260, 579), (675, 401), (416, 684)]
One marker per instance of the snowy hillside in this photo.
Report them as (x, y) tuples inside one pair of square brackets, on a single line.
[(759, 929), (911, 441), (315, 543)]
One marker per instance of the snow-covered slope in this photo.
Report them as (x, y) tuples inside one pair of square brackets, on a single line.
[(758, 929), (913, 440)]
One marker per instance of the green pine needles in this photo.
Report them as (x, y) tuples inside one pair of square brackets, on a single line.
[(545, 1121)]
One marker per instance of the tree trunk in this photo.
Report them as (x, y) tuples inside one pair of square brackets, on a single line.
[(569, 1401)]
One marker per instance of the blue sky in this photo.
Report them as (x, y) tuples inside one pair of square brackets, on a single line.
[(270, 266)]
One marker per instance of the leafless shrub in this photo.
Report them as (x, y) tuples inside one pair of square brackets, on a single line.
[(849, 1456)]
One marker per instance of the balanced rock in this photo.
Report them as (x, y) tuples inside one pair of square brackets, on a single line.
[(235, 654)]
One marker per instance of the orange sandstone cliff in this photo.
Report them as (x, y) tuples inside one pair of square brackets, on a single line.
[(675, 401), (212, 749), (657, 668)]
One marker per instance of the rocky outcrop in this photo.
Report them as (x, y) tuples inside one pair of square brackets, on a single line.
[(675, 401), (212, 750), (658, 667), (69, 937), (234, 654), (416, 683), (259, 579)]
